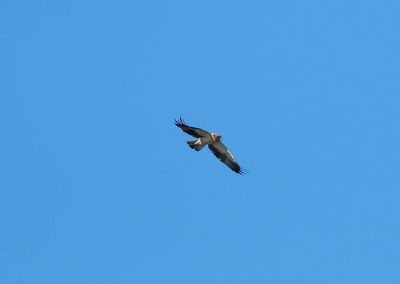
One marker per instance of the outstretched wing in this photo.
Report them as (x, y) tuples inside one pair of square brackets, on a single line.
[(222, 153), (195, 132)]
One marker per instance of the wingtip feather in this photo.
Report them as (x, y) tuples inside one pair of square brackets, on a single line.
[(180, 121), (243, 171)]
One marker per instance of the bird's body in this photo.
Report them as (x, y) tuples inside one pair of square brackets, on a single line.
[(214, 144), (203, 141)]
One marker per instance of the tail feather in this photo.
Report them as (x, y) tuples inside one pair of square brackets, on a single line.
[(195, 145)]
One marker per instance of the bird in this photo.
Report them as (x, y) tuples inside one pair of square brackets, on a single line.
[(214, 144)]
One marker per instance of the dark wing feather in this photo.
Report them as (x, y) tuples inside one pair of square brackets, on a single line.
[(222, 153), (195, 132)]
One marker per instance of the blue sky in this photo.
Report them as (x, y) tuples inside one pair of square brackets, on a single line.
[(98, 186)]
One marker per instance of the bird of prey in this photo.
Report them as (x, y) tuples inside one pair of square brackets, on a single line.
[(214, 144)]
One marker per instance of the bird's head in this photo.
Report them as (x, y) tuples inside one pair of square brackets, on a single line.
[(216, 137)]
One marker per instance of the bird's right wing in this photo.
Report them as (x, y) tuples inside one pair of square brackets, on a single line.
[(194, 131)]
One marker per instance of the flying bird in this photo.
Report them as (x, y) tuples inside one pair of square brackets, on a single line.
[(214, 144)]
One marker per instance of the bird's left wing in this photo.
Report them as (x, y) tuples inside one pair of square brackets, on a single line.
[(222, 153), (194, 131)]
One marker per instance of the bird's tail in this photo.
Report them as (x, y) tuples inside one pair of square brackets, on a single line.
[(197, 145)]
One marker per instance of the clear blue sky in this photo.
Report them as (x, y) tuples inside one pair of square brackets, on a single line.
[(98, 186)]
